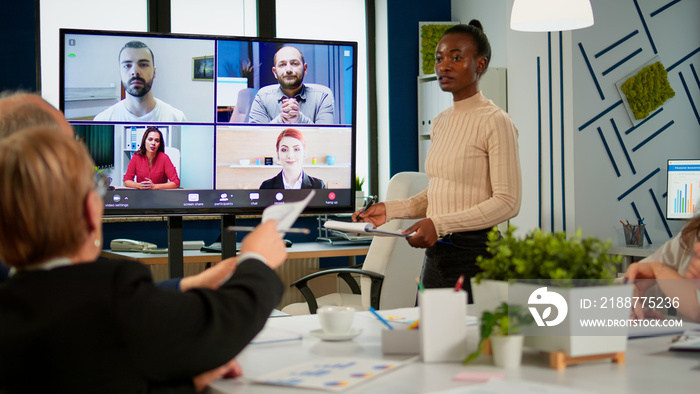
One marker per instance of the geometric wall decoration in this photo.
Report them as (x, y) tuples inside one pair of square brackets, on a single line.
[(622, 158)]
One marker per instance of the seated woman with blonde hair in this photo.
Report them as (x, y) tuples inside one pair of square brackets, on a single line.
[(73, 325), (675, 268)]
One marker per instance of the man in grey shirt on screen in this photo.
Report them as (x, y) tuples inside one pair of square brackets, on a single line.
[(292, 101)]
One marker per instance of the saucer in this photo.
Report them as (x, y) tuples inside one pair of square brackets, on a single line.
[(336, 337)]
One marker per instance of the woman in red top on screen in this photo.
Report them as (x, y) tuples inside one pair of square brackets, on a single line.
[(291, 150), (150, 166)]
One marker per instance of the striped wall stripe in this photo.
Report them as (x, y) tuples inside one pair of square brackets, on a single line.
[(633, 128), (651, 137), (664, 8), (623, 61), (690, 98), (616, 43), (607, 149), (660, 212), (622, 145), (636, 185), (590, 70), (646, 28)]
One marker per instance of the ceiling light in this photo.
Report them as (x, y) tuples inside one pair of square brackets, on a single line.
[(551, 15)]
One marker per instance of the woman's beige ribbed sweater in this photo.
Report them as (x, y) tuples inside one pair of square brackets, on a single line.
[(473, 167)]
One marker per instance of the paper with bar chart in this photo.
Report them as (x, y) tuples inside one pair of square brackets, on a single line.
[(683, 188)]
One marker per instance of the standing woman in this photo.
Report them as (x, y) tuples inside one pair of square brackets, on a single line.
[(150, 165), (472, 165)]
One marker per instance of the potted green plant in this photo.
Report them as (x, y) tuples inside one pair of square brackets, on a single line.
[(575, 267), (502, 327), (538, 256)]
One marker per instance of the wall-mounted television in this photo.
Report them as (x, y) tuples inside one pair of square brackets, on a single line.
[(682, 188), (243, 122)]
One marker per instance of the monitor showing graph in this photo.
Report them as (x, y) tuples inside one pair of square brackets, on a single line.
[(683, 188)]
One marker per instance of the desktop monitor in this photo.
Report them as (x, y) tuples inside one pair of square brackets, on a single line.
[(683, 188), (229, 138)]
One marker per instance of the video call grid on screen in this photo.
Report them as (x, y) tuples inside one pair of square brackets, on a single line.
[(682, 188), (222, 157)]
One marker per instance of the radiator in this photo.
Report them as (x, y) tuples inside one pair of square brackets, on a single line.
[(292, 270)]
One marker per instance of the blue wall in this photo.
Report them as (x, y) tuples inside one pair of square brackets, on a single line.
[(404, 16), (18, 26)]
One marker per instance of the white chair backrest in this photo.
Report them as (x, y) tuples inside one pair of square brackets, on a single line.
[(174, 155), (393, 256)]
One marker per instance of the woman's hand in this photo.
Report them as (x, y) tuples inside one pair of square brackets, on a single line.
[(425, 234), (693, 270), (645, 272), (146, 184), (376, 214), (227, 371), (671, 283)]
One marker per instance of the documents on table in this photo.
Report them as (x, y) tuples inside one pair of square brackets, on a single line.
[(331, 374), (497, 386), (406, 316), (274, 334), (656, 327), (362, 228), (689, 341)]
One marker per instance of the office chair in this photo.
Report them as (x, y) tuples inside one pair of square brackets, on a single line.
[(388, 275), (241, 113)]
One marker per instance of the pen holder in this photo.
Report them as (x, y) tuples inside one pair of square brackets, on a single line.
[(634, 235), (443, 327), (400, 341)]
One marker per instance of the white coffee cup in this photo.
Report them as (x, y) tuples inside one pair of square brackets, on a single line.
[(335, 320)]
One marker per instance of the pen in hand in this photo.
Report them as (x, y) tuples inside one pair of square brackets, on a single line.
[(370, 202)]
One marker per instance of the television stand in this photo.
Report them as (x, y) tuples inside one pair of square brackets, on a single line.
[(228, 238), (175, 248)]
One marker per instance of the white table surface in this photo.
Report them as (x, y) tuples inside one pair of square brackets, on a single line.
[(649, 366)]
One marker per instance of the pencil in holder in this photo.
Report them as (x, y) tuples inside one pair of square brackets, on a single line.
[(634, 235)]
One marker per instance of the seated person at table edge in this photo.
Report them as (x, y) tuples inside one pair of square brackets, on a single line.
[(103, 327), (292, 101), (675, 268), (150, 165), (19, 110), (291, 151), (138, 71)]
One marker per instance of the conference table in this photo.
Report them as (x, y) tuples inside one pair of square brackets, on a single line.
[(649, 366)]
